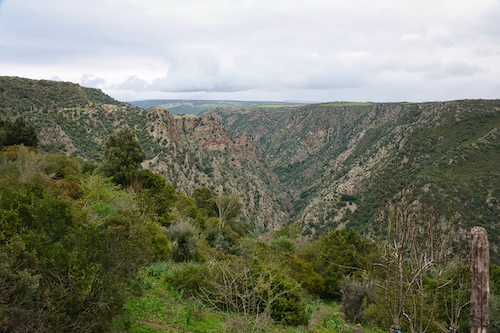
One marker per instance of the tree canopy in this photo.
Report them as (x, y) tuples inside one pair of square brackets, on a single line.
[(123, 156), (16, 132), (69, 244)]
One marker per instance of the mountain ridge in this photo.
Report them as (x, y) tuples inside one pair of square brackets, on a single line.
[(18, 93), (324, 153), (322, 166), (194, 106), (189, 151)]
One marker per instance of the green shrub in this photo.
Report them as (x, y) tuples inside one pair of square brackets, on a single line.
[(289, 308), (102, 209), (337, 254), (357, 294), (88, 167), (183, 236), (158, 269), (160, 245), (283, 244), (303, 272), (188, 278), (255, 289)]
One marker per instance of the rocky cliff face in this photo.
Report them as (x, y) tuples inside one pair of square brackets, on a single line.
[(189, 151), (192, 151), (331, 159), (322, 166)]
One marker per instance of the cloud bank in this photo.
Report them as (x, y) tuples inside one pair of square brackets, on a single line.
[(389, 50)]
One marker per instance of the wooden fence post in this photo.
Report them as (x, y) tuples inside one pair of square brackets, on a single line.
[(480, 281)]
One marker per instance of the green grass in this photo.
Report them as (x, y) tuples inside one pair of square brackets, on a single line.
[(347, 104), (269, 106), (162, 308)]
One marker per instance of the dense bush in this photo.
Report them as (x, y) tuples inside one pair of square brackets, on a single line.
[(188, 278), (184, 237), (254, 288), (66, 261), (357, 294), (337, 254), (303, 272), (17, 132), (156, 196), (289, 307)]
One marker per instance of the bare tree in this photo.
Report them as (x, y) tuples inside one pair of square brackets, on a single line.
[(419, 241), (235, 288), (228, 208), (455, 290)]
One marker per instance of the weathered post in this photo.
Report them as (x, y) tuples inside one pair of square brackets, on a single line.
[(480, 281)]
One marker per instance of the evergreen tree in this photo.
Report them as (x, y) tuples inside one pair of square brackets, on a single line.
[(17, 132), (205, 201), (123, 156)]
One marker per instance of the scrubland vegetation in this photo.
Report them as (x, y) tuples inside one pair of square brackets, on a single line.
[(341, 217), (112, 247)]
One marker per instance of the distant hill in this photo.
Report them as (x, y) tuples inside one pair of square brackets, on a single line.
[(324, 166), (339, 161), (25, 94), (189, 151), (178, 106)]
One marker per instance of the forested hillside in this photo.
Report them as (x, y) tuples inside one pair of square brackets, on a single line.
[(334, 217), (339, 161), (20, 94), (188, 151), (325, 166)]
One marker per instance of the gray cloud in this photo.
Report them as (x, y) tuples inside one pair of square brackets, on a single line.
[(92, 81), (455, 69), (133, 83), (304, 49), (439, 70)]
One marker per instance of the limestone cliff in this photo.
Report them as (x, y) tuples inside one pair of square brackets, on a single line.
[(192, 151)]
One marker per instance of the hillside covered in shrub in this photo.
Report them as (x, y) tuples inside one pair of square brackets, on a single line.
[(338, 217)]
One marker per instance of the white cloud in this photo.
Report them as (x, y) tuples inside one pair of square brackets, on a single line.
[(248, 49), (92, 81), (133, 83)]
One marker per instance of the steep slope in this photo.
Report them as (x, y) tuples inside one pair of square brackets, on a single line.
[(195, 151), (189, 151), (333, 158), (326, 166), (20, 94)]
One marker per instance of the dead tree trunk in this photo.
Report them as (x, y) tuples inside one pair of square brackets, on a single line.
[(480, 281)]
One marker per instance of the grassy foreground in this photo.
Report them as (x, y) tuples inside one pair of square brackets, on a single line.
[(162, 308)]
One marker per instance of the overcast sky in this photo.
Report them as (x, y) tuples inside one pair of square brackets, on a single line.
[(310, 50)]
